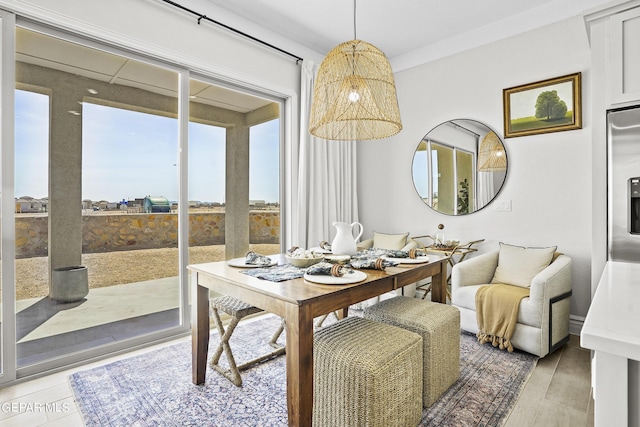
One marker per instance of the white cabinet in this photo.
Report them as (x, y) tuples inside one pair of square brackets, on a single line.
[(611, 329), (625, 56), (614, 34)]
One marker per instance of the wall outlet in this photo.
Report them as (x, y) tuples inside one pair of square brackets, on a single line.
[(502, 205)]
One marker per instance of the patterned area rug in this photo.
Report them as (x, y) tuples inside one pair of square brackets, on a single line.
[(155, 389)]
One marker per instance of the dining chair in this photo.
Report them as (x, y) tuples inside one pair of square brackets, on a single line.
[(237, 309)]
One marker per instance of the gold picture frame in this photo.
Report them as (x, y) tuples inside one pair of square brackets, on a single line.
[(552, 105)]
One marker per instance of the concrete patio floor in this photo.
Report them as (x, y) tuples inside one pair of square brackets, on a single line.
[(47, 329)]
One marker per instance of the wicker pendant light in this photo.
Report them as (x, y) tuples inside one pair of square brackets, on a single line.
[(354, 96), (491, 156)]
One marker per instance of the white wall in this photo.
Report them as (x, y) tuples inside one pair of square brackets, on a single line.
[(549, 177)]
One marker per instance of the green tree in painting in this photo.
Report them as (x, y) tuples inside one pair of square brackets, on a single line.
[(549, 106)]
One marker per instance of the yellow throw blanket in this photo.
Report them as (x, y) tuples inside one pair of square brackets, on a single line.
[(497, 313)]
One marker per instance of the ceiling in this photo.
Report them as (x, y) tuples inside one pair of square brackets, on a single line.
[(49, 52), (409, 32)]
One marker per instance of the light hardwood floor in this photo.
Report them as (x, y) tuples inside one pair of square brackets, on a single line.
[(558, 393)]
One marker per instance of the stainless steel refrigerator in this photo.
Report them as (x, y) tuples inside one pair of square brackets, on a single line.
[(624, 184)]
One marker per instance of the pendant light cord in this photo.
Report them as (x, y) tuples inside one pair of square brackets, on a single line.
[(355, 34)]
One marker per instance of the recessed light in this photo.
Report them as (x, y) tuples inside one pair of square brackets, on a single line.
[(92, 91)]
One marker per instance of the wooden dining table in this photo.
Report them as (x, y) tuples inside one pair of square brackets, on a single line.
[(298, 301)]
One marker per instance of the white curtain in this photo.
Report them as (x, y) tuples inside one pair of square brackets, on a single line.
[(486, 191), (327, 190)]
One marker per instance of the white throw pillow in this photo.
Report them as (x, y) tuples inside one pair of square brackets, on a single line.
[(389, 241), (518, 265)]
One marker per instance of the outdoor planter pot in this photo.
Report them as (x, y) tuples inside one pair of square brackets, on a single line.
[(69, 284)]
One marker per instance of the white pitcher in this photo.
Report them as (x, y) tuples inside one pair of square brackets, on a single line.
[(344, 243)]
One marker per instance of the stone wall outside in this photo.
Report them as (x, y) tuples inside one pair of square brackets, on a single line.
[(125, 232), (31, 236)]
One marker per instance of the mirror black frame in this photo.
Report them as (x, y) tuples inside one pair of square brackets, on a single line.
[(461, 141)]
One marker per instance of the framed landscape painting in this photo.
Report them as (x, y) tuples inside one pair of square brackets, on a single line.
[(552, 105)]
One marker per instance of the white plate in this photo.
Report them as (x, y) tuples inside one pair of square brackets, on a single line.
[(319, 250), (418, 260), (355, 277), (242, 263)]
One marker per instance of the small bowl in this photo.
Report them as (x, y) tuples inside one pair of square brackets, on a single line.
[(304, 262), (338, 259)]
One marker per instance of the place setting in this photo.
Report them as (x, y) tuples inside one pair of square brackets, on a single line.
[(252, 260), (412, 256), (335, 269), (320, 266), (326, 273), (331, 273)]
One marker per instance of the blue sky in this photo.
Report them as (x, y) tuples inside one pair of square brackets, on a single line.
[(131, 155)]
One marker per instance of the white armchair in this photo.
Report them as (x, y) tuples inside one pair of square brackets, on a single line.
[(543, 317)]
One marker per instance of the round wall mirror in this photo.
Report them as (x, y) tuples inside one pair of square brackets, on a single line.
[(459, 167)]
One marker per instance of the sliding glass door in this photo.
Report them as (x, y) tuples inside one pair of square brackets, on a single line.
[(118, 171), (452, 178), (96, 180), (7, 355), (234, 172)]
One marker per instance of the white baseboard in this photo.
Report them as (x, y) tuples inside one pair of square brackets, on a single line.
[(575, 324)]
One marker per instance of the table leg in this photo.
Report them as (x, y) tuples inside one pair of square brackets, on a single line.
[(299, 357), (439, 285), (200, 334)]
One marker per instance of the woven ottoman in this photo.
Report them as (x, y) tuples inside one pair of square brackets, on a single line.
[(366, 373), (439, 326)]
